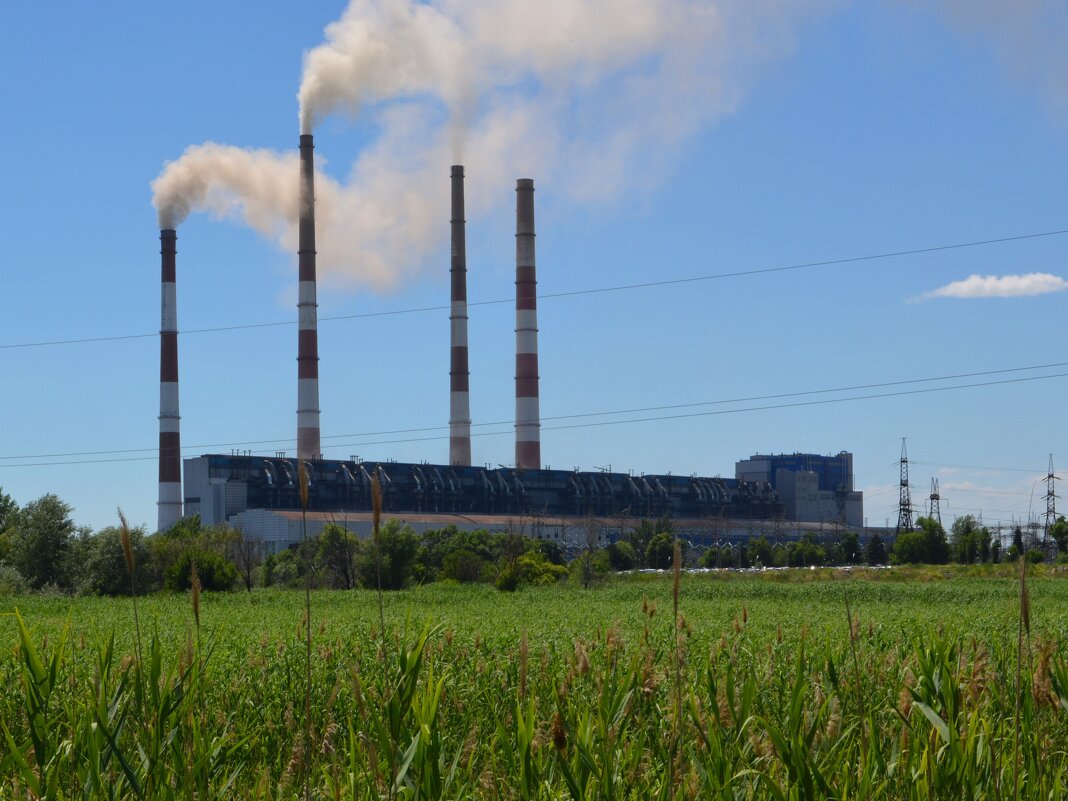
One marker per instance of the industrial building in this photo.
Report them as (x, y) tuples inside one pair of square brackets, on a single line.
[(812, 488), (261, 495), (228, 489)]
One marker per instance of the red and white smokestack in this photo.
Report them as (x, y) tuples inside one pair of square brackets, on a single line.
[(308, 446), (169, 507), (459, 370), (527, 413)]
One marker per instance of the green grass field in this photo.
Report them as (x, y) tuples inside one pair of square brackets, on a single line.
[(550, 692)]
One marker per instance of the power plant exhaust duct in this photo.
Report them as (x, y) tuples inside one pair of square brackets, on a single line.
[(459, 368), (308, 443), (169, 507), (527, 412)]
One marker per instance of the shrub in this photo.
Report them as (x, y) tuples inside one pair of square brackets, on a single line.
[(530, 569), (622, 556), (11, 581), (398, 545), (1034, 556), (104, 571), (215, 571), (463, 566), (660, 551)]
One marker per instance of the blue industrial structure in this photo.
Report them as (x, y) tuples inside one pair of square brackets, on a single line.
[(218, 486)]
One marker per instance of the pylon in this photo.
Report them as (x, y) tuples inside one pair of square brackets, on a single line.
[(934, 510), (904, 506), (1051, 503)]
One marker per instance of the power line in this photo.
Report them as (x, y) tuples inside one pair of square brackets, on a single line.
[(977, 467), (569, 293), (748, 399), (601, 423)]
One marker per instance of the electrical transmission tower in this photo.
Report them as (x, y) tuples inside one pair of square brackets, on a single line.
[(934, 510), (1051, 503), (904, 506)]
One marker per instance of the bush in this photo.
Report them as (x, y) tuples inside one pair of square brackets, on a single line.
[(463, 566), (398, 545), (104, 570), (718, 557), (530, 569), (11, 581), (1034, 556), (661, 551), (215, 571), (622, 556)]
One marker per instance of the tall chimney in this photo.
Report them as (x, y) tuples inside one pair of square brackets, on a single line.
[(459, 370), (308, 446), (527, 414), (169, 507)]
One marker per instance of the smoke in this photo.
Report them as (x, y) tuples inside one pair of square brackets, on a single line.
[(259, 185), (589, 97), (1027, 35)]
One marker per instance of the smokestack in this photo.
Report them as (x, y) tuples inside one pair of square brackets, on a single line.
[(307, 336), (459, 371), (527, 413), (170, 451)]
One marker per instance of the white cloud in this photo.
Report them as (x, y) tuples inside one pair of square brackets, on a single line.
[(999, 286)]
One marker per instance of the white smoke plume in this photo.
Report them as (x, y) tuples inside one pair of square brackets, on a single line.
[(1028, 36), (590, 97)]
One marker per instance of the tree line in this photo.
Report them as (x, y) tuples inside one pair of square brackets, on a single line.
[(42, 549)]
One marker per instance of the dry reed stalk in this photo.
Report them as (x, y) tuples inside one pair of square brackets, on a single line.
[(131, 568)]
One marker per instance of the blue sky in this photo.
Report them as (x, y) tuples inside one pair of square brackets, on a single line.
[(848, 130)]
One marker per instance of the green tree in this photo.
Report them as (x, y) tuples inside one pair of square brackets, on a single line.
[(399, 546), (551, 550), (247, 553), (660, 551), (936, 547), (1017, 547), (910, 548), (216, 572), (1059, 532), (718, 557), (105, 570), (641, 535), (463, 566), (849, 548), (970, 540), (760, 551), (530, 569), (806, 552), (875, 551), (9, 511), (338, 551), (622, 556), (41, 542)]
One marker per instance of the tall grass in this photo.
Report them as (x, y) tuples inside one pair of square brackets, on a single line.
[(625, 706)]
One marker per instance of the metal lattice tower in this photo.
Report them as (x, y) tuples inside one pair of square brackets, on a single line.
[(904, 505), (1051, 502), (934, 510)]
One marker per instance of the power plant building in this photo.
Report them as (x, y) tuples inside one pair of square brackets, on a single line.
[(812, 488), (262, 495)]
